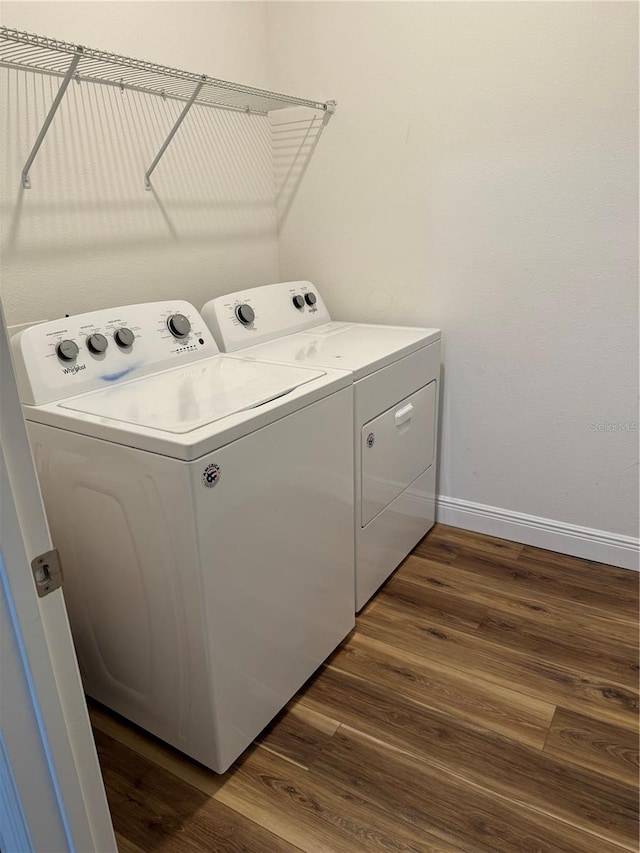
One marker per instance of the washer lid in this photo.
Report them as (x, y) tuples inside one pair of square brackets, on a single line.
[(186, 398)]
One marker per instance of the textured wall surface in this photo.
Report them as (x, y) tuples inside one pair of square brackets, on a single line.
[(481, 175), (87, 235)]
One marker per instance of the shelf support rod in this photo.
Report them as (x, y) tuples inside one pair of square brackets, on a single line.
[(172, 132), (26, 182)]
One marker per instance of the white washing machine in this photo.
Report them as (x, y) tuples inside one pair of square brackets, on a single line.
[(202, 505), (396, 376)]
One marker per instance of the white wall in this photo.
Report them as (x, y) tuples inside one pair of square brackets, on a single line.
[(87, 234), (481, 175)]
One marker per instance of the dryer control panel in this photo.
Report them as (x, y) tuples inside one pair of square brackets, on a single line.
[(261, 314), (61, 358)]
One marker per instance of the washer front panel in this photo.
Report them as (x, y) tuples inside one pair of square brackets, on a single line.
[(198, 611)]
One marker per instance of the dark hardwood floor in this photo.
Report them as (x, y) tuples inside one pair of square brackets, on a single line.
[(486, 701)]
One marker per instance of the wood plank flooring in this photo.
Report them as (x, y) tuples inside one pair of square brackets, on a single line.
[(486, 701)]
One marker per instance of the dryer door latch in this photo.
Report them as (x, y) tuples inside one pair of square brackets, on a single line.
[(47, 572)]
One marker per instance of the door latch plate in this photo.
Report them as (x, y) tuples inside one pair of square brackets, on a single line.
[(47, 572)]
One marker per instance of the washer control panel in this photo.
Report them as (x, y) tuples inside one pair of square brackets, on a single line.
[(249, 317), (61, 358)]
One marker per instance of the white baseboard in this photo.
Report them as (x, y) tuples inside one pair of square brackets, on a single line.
[(586, 542)]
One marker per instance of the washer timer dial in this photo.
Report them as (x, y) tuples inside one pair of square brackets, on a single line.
[(67, 350), (179, 325), (123, 337), (97, 343), (245, 314)]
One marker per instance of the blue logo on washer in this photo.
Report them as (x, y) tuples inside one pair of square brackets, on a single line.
[(211, 475)]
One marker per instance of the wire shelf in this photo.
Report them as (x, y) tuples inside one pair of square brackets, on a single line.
[(44, 55), (24, 50)]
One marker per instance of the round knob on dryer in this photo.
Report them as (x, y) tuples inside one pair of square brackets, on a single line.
[(179, 325), (298, 301), (310, 298), (123, 337), (67, 350), (245, 314), (97, 343)]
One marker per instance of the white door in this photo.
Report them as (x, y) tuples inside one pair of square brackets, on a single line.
[(51, 793)]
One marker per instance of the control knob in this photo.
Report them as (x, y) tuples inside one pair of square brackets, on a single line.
[(245, 314), (310, 299), (179, 325), (67, 350), (298, 301), (97, 343), (124, 337)]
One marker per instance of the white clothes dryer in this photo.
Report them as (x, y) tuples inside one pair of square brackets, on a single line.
[(202, 505), (396, 380)]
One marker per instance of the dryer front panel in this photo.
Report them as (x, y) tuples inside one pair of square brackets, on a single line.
[(396, 447)]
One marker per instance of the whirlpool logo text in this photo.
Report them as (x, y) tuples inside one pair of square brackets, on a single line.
[(75, 369)]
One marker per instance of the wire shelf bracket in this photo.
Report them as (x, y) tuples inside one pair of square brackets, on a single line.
[(68, 77), (172, 132), (44, 55)]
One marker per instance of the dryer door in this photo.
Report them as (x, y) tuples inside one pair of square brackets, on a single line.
[(396, 447)]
